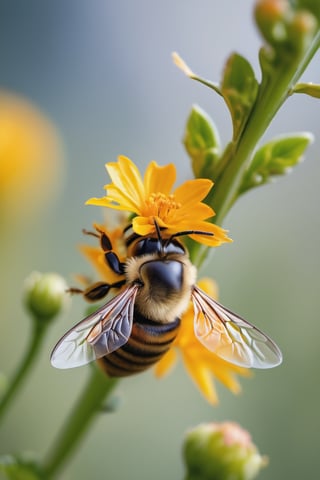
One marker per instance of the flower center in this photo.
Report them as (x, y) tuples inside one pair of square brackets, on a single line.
[(161, 205)]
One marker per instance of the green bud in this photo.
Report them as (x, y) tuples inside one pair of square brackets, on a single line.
[(221, 452), (271, 17), (302, 29), (284, 25), (239, 88), (45, 295), (312, 6), (201, 140)]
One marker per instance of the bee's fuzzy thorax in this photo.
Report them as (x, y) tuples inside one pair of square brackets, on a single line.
[(155, 303)]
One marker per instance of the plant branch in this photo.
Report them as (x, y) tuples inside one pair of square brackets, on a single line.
[(272, 94), (89, 404), (39, 329)]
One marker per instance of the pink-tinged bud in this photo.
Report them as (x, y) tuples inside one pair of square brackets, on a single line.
[(271, 17), (221, 451), (282, 25), (272, 10)]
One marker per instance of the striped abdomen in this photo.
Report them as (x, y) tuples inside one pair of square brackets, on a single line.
[(148, 342)]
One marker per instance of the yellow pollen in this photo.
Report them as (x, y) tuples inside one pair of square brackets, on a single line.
[(161, 205)]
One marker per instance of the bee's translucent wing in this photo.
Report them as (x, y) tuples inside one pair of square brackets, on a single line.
[(99, 334), (230, 336)]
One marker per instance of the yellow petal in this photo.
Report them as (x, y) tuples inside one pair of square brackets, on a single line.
[(145, 225), (193, 191), (159, 178), (126, 177), (225, 376), (224, 371), (230, 382), (142, 226), (202, 377), (209, 286), (219, 234), (121, 197), (99, 202), (106, 202), (166, 363), (199, 211), (202, 211)]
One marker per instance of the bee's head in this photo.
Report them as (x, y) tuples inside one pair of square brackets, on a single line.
[(157, 246), (165, 282), (160, 265), (161, 244)]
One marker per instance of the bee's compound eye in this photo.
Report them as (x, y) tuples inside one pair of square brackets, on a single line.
[(147, 246), (164, 276)]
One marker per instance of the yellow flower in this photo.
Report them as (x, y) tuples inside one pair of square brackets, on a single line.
[(30, 158), (151, 199), (202, 365)]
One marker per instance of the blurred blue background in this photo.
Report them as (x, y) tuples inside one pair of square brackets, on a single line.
[(102, 71)]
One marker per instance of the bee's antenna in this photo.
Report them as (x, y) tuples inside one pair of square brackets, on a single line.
[(157, 230), (89, 232), (188, 232), (178, 234)]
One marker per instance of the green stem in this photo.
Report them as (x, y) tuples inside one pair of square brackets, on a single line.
[(272, 94), (207, 83), (274, 90), (39, 329), (85, 410)]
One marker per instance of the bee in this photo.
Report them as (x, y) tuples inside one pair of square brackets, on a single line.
[(134, 329)]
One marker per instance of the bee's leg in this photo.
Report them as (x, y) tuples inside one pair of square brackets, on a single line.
[(111, 257), (96, 291)]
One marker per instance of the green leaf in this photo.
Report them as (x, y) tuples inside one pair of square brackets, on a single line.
[(202, 143), (18, 468), (239, 88), (311, 89), (275, 158)]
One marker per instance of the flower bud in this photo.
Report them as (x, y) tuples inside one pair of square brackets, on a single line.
[(45, 295), (271, 17), (201, 140), (302, 29), (283, 25), (220, 452)]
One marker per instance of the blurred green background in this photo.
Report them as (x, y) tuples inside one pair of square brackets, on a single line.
[(102, 72)]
